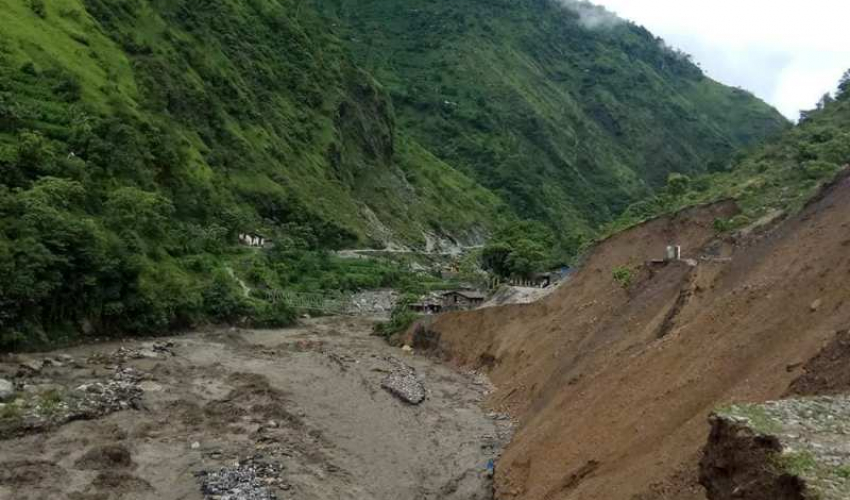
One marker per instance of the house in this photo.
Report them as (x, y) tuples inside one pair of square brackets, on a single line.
[(459, 300), (544, 279), (252, 239), (426, 307)]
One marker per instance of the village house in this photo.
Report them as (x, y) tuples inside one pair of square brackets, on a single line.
[(459, 300)]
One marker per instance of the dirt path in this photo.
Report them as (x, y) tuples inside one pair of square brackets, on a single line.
[(296, 413)]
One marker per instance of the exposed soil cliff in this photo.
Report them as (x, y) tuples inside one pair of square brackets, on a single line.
[(613, 386)]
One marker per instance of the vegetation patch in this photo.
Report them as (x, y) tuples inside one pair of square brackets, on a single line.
[(624, 276)]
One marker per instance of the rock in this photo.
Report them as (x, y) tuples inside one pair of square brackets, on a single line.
[(403, 384), (32, 365), (246, 480), (407, 349), (7, 390), (42, 388), (196, 445), (146, 353), (816, 305), (148, 386), (53, 362)]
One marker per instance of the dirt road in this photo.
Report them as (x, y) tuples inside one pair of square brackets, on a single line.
[(295, 413)]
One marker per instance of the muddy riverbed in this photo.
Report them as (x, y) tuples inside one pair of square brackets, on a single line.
[(242, 415)]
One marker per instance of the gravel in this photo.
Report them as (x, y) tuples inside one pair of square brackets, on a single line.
[(250, 479), (403, 383)]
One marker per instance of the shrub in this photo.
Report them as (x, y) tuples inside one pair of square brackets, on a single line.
[(271, 315), (400, 319), (39, 8), (623, 275), (224, 299)]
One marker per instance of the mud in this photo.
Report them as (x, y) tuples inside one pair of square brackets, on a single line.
[(295, 413), (626, 377), (736, 464)]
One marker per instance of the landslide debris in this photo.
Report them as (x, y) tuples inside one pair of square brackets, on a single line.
[(47, 405), (587, 378), (248, 479), (795, 449), (403, 383)]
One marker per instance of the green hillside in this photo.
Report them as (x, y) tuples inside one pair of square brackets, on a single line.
[(771, 180), (139, 138), (567, 123)]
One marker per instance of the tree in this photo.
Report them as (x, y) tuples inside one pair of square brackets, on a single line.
[(678, 184), (131, 209), (518, 248), (844, 86), (825, 101)]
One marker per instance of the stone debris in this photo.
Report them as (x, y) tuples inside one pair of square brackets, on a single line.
[(250, 479), (41, 406), (31, 366), (43, 388), (123, 354), (122, 392), (7, 390), (149, 386), (403, 383), (373, 303)]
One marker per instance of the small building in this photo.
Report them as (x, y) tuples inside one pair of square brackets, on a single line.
[(542, 280), (426, 307), (460, 300), (252, 239)]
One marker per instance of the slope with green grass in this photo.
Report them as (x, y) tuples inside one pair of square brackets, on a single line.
[(567, 122), (138, 138), (768, 181)]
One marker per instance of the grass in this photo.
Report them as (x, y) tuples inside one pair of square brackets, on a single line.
[(623, 276)]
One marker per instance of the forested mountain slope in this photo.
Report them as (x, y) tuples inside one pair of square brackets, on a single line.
[(138, 138), (569, 114), (770, 181)]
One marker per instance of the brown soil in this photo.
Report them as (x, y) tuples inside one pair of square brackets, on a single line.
[(736, 465), (827, 373), (307, 399), (626, 378)]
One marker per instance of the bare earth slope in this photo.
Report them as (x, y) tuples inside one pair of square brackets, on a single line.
[(306, 400), (613, 386)]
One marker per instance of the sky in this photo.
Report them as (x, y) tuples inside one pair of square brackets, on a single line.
[(787, 52)]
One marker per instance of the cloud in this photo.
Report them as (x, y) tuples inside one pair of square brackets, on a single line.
[(592, 16), (787, 53)]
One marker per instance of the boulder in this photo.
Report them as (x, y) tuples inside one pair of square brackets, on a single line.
[(7, 390), (403, 383), (32, 365)]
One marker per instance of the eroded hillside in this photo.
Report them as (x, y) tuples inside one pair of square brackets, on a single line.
[(613, 385)]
